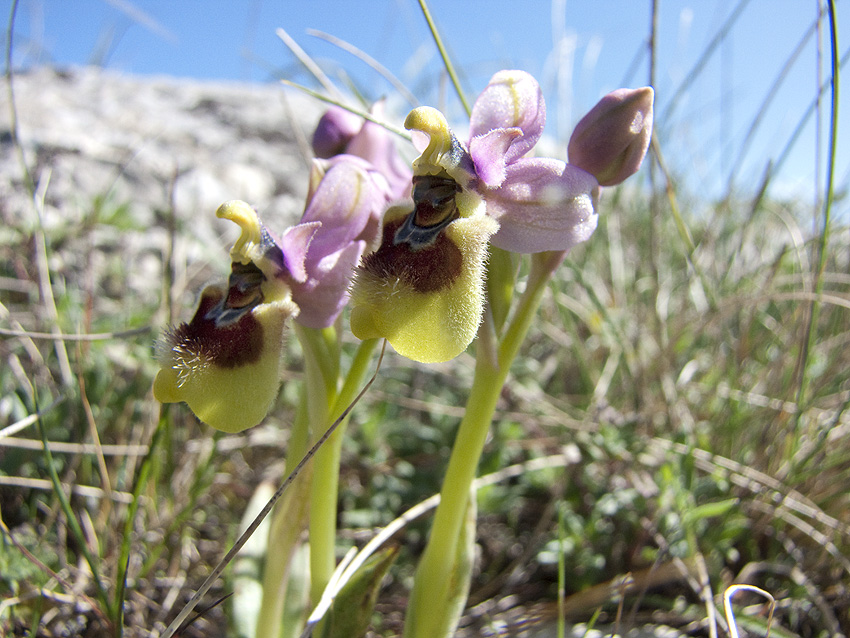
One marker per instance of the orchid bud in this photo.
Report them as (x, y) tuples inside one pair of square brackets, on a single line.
[(375, 144), (334, 131), (611, 140)]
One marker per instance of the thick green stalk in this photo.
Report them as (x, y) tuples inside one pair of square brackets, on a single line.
[(326, 401), (322, 403), (325, 488), (321, 367), (435, 572), (429, 597)]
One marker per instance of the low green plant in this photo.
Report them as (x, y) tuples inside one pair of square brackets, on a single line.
[(659, 417)]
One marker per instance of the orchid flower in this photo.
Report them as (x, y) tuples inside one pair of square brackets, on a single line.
[(225, 363), (423, 288)]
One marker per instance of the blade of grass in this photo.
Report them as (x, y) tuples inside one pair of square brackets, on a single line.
[(379, 68), (24, 423), (74, 448), (771, 93), (85, 491), (13, 109), (95, 336), (308, 63), (804, 120), (49, 300), (444, 54), (722, 32), (37, 196), (562, 569), (364, 114), (814, 313), (127, 535), (73, 523)]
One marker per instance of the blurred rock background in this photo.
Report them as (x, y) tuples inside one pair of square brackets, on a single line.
[(122, 165)]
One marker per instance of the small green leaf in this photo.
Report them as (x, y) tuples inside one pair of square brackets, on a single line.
[(351, 612), (501, 283), (709, 510)]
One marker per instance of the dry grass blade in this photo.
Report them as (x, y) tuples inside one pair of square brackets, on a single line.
[(309, 63), (364, 114), (97, 336), (86, 491), (383, 71), (771, 93), (730, 613), (721, 34), (75, 448), (24, 423)]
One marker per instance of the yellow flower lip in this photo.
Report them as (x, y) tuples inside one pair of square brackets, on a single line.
[(423, 288), (227, 372), (427, 302)]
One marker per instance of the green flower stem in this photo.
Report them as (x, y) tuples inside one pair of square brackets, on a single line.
[(321, 378), (325, 488), (354, 380), (321, 362), (434, 575), (326, 401), (542, 267)]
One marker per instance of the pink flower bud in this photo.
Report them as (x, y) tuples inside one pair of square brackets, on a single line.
[(334, 131), (611, 140)]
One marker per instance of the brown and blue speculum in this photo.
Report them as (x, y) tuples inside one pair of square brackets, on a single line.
[(243, 294), (219, 334), (245, 285), (434, 209), (415, 249)]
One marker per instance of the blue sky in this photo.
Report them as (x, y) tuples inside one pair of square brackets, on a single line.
[(578, 49)]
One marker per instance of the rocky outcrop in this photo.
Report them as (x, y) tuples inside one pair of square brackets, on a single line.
[(95, 134), (117, 160)]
